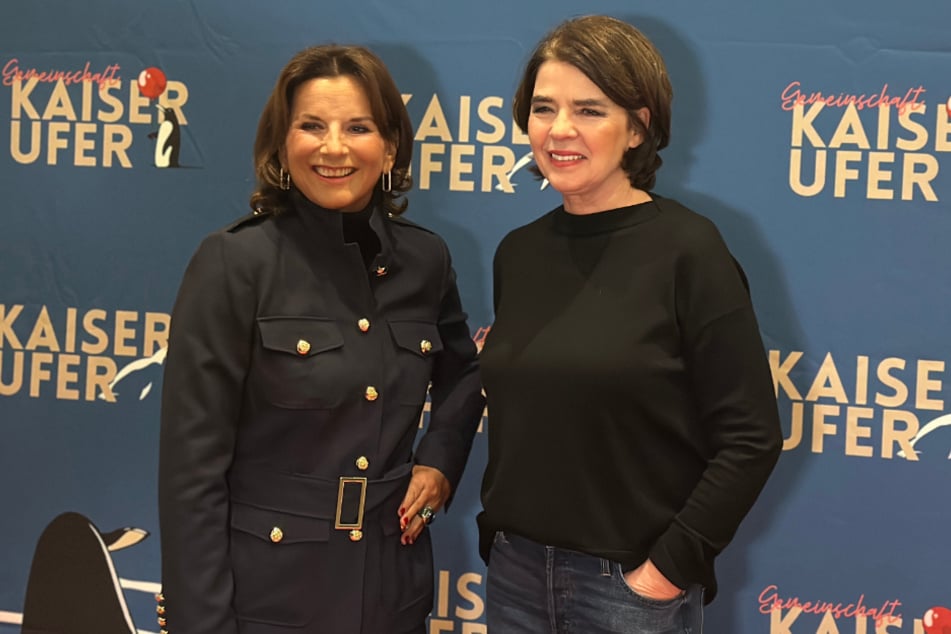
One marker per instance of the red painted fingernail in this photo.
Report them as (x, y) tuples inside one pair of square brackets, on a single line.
[(402, 511)]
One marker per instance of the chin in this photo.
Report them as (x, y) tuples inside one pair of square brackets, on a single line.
[(336, 203), (561, 186)]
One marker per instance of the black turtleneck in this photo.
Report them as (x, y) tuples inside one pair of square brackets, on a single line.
[(356, 229)]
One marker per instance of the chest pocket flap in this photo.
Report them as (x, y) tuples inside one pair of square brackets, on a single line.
[(419, 337), (300, 336)]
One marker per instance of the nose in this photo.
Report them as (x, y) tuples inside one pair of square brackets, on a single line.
[(333, 142), (562, 126)]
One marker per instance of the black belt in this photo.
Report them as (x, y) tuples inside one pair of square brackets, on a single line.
[(344, 500)]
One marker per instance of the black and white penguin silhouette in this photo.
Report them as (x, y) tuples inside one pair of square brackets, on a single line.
[(73, 587), (168, 139)]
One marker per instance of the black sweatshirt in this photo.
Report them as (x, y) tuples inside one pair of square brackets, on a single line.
[(631, 409)]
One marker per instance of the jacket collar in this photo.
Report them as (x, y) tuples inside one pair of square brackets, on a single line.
[(324, 227)]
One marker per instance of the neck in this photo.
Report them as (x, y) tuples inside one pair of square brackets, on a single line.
[(583, 204)]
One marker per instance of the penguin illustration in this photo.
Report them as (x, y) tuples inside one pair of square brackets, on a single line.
[(139, 375), (73, 587), (168, 139), (937, 445)]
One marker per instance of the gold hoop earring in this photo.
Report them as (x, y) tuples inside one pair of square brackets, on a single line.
[(285, 180)]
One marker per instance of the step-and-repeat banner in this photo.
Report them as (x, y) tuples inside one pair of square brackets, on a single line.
[(817, 135)]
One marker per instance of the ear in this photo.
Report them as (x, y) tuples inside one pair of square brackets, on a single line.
[(644, 115)]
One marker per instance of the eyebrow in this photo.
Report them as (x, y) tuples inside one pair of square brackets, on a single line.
[(577, 102), (312, 117)]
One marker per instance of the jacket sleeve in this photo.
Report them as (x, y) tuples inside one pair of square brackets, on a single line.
[(456, 395), (736, 407), (209, 343)]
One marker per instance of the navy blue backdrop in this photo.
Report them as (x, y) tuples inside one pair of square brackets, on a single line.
[(815, 134)]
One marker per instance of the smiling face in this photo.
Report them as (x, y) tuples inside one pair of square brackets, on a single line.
[(578, 136), (334, 150)]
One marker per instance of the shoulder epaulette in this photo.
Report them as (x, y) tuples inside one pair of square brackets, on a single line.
[(407, 223), (252, 218)]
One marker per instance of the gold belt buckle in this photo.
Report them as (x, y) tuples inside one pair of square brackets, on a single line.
[(358, 525)]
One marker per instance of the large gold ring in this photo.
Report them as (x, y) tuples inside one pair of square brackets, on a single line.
[(427, 514)]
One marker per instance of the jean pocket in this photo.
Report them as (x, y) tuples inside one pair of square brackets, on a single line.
[(647, 602)]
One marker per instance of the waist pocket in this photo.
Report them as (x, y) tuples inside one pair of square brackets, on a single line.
[(277, 559)]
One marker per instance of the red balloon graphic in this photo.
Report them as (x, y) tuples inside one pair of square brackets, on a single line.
[(937, 621), (152, 82)]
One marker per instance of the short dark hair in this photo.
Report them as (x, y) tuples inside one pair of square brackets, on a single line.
[(386, 106), (626, 66)]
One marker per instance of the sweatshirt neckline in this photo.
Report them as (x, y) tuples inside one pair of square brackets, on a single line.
[(603, 221)]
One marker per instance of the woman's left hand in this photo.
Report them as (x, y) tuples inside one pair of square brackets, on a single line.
[(647, 581), (428, 488)]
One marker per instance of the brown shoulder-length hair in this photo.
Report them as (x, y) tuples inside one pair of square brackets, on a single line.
[(626, 66), (386, 106)]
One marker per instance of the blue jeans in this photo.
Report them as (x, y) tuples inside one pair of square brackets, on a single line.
[(536, 589)]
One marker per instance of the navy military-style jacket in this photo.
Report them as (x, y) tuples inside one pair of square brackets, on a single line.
[(294, 384)]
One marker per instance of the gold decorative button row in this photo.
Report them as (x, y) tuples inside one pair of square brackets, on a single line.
[(425, 346), (356, 535), (276, 534), (160, 610), (363, 325), (303, 346), (371, 394), (362, 463)]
